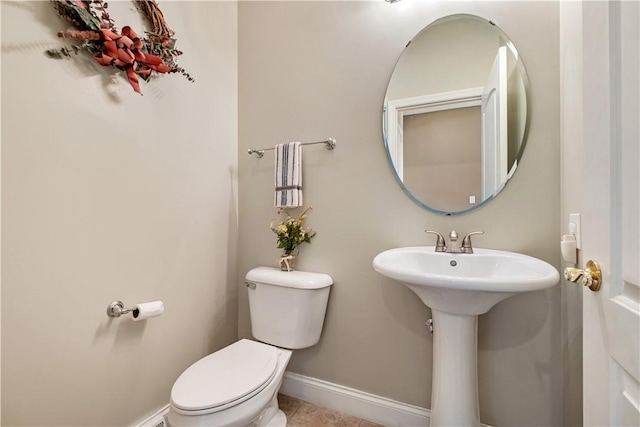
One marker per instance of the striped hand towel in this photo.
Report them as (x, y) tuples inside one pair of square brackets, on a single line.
[(288, 177)]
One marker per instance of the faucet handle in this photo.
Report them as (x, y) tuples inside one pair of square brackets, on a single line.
[(466, 242), (440, 246)]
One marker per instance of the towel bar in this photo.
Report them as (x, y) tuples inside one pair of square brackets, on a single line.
[(330, 143)]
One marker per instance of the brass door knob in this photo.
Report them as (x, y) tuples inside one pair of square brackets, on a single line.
[(590, 276)]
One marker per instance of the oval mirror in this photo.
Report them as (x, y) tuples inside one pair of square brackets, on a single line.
[(455, 115)]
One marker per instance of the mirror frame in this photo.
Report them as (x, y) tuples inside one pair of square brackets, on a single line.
[(519, 64)]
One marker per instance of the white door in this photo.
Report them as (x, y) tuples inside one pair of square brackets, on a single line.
[(610, 221), (494, 127)]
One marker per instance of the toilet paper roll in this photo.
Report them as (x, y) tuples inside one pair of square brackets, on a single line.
[(147, 310)]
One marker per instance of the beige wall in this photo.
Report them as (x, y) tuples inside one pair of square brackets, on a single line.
[(310, 70), (110, 195)]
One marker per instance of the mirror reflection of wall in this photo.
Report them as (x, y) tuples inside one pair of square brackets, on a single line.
[(449, 55), (461, 70), (442, 156)]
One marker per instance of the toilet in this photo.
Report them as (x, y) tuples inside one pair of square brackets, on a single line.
[(238, 385)]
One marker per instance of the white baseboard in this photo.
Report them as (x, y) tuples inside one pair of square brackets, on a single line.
[(155, 419), (367, 406), (370, 407)]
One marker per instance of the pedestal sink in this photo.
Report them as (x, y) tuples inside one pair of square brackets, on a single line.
[(458, 288)]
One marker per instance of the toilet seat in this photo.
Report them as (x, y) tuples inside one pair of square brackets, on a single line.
[(225, 378)]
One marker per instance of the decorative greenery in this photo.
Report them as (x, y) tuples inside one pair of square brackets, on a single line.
[(291, 232), (97, 34)]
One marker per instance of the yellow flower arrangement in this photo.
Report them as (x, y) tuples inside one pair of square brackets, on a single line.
[(292, 232)]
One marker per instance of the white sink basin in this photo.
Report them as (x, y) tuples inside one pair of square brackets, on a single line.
[(465, 283), (459, 287)]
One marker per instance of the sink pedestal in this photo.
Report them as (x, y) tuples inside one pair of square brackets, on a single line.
[(454, 395)]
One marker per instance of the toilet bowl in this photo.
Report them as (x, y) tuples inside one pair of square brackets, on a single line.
[(238, 385)]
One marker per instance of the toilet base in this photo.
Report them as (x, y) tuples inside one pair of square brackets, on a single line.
[(272, 416), (279, 420)]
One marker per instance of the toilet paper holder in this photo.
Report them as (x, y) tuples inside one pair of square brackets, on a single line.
[(116, 309)]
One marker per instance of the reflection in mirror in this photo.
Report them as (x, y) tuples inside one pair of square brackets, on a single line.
[(455, 115)]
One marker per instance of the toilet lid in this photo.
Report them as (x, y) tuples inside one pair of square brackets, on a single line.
[(226, 377)]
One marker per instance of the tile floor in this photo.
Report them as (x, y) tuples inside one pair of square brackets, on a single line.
[(303, 414)]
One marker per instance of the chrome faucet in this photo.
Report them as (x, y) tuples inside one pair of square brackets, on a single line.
[(466, 242), (454, 247), (440, 245)]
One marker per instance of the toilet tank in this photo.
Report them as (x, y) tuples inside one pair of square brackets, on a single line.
[(287, 308)]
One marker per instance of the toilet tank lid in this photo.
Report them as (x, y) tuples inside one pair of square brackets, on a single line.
[(289, 279)]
